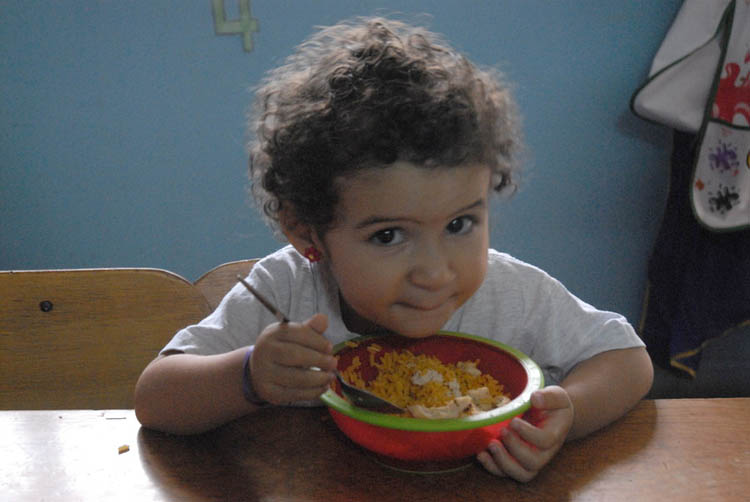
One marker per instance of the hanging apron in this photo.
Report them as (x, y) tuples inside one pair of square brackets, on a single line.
[(700, 82)]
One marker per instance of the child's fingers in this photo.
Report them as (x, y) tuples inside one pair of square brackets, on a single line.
[(533, 446), (308, 334), (526, 455), (279, 394), (302, 378), (318, 323), (550, 398), (488, 463), (297, 345), (555, 417), (299, 356), (542, 438), (280, 384), (505, 463)]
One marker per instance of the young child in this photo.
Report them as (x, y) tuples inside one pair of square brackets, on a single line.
[(377, 149)]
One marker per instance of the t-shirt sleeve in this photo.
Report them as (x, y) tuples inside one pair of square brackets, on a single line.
[(524, 307), (569, 330), (236, 322)]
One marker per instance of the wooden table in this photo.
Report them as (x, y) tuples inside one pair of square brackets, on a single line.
[(690, 449)]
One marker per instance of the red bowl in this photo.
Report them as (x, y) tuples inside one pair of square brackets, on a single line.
[(414, 440)]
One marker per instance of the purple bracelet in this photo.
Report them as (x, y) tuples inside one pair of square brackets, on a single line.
[(247, 383)]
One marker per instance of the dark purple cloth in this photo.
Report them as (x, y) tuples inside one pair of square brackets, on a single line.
[(699, 280)]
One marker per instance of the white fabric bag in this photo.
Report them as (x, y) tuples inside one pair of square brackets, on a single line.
[(700, 82)]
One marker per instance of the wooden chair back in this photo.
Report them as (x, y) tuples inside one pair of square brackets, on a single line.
[(79, 339), (217, 282)]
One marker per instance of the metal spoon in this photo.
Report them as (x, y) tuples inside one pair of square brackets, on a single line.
[(358, 397), (365, 399)]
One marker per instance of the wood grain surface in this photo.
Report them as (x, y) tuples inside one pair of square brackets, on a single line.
[(691, 449), (76, 339)]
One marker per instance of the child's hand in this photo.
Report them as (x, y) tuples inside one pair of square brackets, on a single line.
[(285, 354), (524, 448)]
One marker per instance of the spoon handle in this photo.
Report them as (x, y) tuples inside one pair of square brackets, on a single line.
[(262, 299), (360, 397)]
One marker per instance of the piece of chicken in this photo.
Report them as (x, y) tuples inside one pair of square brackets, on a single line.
[(453, 409)]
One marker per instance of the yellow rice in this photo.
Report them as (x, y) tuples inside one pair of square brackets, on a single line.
[(394, 378)]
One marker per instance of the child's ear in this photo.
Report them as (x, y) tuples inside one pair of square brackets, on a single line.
[(300, 235)]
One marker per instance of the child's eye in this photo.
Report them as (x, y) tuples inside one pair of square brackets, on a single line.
[(388, 237), (461, 225)]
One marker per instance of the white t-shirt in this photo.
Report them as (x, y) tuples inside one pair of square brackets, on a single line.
[(518, 304)]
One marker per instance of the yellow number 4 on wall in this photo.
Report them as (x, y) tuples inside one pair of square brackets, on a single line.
[(246, 25)]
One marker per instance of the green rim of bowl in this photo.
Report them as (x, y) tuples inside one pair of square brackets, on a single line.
[(516, 406)]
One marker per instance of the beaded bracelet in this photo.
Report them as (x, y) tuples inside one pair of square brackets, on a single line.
[(247, 383)]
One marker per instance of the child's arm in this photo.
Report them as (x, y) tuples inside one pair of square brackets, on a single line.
[(606, 386), (185, 393), (595, 393)]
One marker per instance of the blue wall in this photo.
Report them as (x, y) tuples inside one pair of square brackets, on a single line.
[(122, 131)]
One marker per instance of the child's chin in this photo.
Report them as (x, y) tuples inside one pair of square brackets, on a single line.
[(415, 326), (417, 333), (412, 335)]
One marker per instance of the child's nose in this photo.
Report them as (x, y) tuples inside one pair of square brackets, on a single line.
[(432, 268)]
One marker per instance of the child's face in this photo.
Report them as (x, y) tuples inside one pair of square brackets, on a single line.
[(409, 245)]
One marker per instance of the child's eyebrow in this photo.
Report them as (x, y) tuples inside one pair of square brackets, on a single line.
[(377, 220)]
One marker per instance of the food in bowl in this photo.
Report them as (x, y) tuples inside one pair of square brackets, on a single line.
[(409, 442), (425, 386)]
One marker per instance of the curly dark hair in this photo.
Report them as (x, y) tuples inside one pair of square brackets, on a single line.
[(366, 93)]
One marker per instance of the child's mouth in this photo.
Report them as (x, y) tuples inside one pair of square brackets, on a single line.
[(426, 306)]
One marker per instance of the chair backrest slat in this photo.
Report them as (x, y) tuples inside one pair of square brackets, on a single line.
[(80, 338), (217, 282)]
